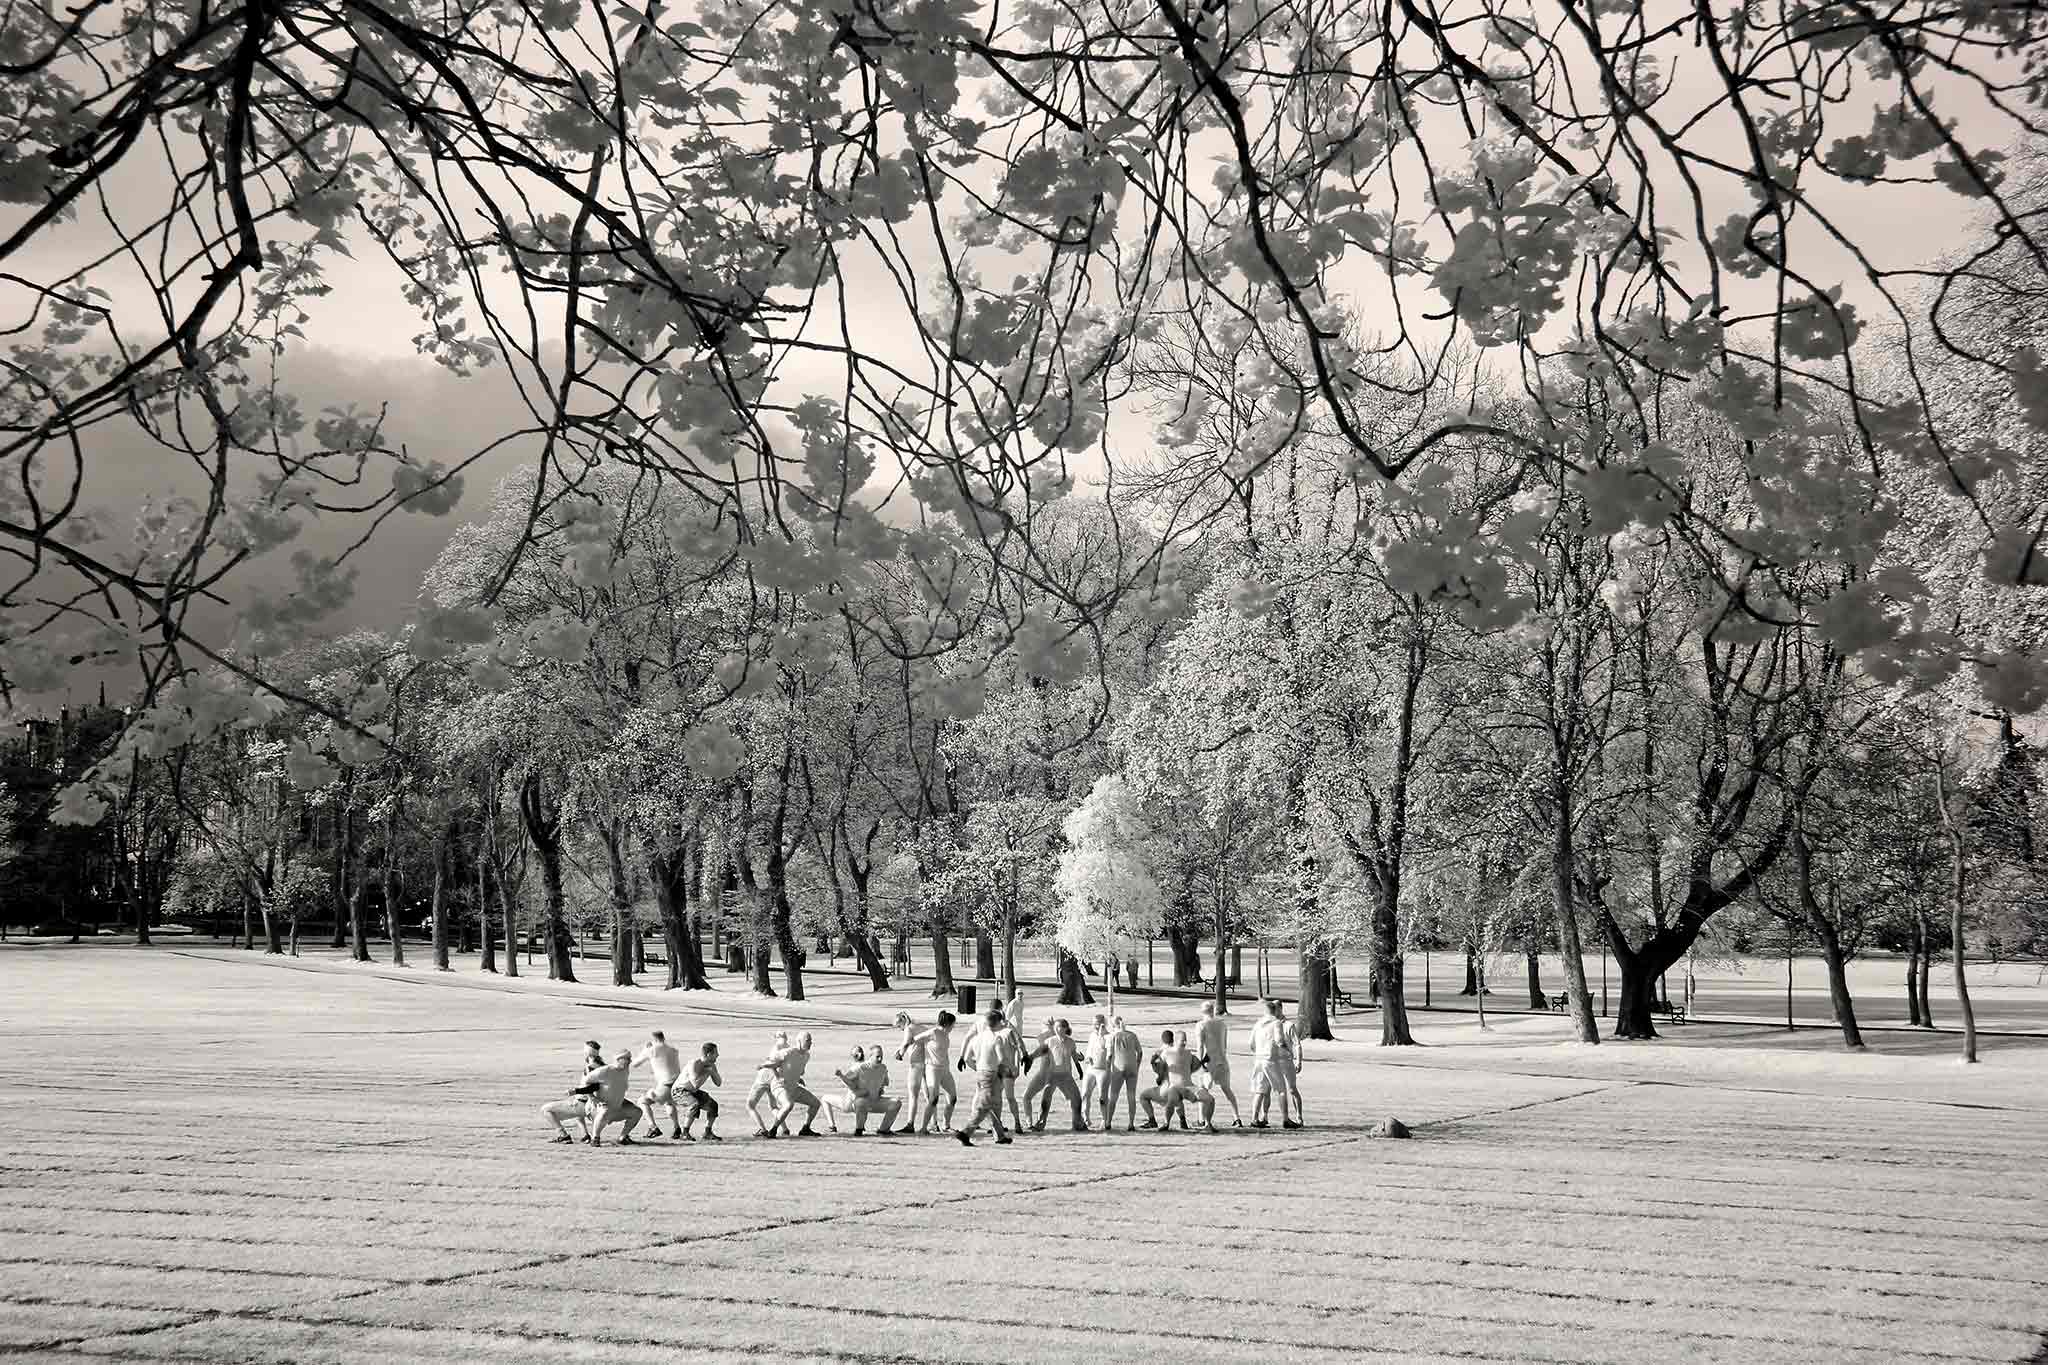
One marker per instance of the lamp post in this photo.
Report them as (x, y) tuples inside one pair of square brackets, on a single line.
[(1425, 973), (1788, 976), (1603, 977)]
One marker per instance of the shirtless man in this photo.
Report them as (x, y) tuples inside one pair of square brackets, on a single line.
[(870, 1085), (577, 1106), (912, 1054), (1212, 1041), (1037, 1066), (1095, 1066), (791, 1091), (668, 1069), (847, 1101), (765, 1079), (1060, 1053), (938, 1073), (990, 1054), (704, 1068), (1268, 1045), (1178, 1087), (1013, 1026), (606, 1087), (1290, 1057), (1126, 1055)]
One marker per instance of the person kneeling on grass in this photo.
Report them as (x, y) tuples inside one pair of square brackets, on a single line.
[(704, 1068), (991, 1055), (606, 1087), (577, 1106)]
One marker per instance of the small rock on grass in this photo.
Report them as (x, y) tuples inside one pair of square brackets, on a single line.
[(1391, 1127)]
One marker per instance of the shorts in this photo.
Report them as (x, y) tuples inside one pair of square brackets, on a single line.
[(938, 1077), (1096, 1076), (1271, 1076), (787, 1093), (700, 1103), (663, 1093), (1219, 1076)]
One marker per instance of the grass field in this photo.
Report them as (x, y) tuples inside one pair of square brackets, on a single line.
[(212, 1156)]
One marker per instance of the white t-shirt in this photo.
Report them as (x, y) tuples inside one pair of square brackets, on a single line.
[(1266, 1041), (986, 1052)]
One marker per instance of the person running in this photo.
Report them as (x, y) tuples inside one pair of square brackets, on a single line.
[(1290, 1064), (668, 1069), (1268, 1044), (765, 1081), (790, 1090), (1126, 1055), (912, 1054), (989, 1053), (1095, 1067), (938, 1073), (1212, 1041), (607, 1088), (704, 1068), (1061, 1053), (577, 1106)]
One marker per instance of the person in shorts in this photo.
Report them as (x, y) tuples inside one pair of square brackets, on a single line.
[(703, 1069), (990, 1054)]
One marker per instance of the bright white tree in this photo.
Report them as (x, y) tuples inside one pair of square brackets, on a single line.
[(1107, 894)]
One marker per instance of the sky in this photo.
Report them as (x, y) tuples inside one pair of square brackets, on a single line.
[(360, 351)]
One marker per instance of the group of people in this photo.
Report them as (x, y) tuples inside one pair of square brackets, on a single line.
[(1090, 1073)]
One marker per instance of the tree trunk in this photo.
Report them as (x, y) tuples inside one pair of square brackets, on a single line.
[(489, 943), (1564, 907), (543, 821), (1222, 972), (1387, 964), (1537, 999), (758, 946), (1187, 955), (942, 964), (1312, 1016), (1925, 967), (1471, 986), (1913, 985), (613, 835), (1639, 970), (438, 909), (393, 921), (1073, 981), (511, 920), (984, 956), (1830, 940), (1956, 949), (670, 874), (785, 941), (358, 929), (1009, 949)]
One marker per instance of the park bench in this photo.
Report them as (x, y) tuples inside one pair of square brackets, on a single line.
[(1670, 1007), (1343, 999), (1560, 1003)]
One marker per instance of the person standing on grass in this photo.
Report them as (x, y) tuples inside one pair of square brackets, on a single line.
[(1060, 1054), (791, 1092), (1269, 1076), (938, 1073), (989, 1053), (765, 1080), (668, 1069), (1095, 1067), (607, 1088), (1212, 1041), (912, 1054), (1290, 1064), (1037, 1066), (704, 1068), (1126, 1055)]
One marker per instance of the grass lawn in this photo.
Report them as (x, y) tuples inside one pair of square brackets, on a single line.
[(213, 1156)]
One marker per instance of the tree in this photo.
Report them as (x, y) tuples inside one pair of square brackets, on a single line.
[(1107, 894)]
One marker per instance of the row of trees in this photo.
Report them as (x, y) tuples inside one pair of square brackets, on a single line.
[(1314, 731)]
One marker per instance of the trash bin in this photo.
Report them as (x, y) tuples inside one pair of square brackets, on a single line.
[(967, 1002)]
